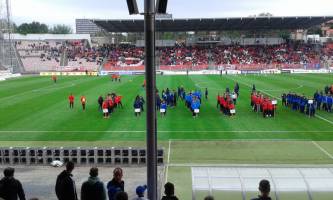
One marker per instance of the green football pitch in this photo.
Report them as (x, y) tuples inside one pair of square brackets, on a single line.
[(35, 112), (36, 109)]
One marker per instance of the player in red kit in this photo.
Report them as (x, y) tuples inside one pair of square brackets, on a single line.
[(83, 102), (71, 101), (54, 78)]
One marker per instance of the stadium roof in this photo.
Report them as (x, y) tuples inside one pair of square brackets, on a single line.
[(215, 24)]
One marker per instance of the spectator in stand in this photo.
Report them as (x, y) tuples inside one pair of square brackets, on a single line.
[(11, 188), (169, 191), (264, 188), (116, 185), (65, 186), (93, 188)]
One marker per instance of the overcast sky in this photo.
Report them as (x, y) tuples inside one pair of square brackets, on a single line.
[(66, 11)]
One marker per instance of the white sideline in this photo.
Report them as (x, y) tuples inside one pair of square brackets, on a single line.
[(248, 85), (174, 131), (322, 149)]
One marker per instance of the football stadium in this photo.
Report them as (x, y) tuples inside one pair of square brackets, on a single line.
[(242, 107)]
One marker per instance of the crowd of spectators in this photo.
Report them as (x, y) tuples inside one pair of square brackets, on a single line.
[(46, 55), (94, 188), (79, 54), (284, 54)]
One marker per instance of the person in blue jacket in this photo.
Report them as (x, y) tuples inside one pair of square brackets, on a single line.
[(188, 99), (116, 184), (195, 105), (329, 103), (164, 106), (158, 101), (324, 102), (319, 100), (303, 103)]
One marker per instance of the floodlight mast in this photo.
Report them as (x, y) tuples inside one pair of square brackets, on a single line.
[(150, 69), (150, 73)]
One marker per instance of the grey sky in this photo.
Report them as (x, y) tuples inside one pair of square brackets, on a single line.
[(66, 11)]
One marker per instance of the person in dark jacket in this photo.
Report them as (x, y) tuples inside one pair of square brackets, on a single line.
[(264, 188), (65, 186), (169, 191), (137, 106), (121, 196), (93, 188), (100, 101), (11, 188), (116, 185), (209, 198)]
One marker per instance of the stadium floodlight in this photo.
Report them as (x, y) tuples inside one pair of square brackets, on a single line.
[(132, 7), (161, 6)]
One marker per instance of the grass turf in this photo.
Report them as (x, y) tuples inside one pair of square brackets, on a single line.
[(36, 109), (34, 112)]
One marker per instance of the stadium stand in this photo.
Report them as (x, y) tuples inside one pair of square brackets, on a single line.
[(51, 55), (6, 74), (250, 57)]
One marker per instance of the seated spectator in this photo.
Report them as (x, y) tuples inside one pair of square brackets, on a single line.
[(11, 188), (264, 188), (93, 188), (169, 191)]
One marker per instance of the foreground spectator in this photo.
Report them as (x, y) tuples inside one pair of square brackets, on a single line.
[(121, 196), (140, 191), (209, 198), (169, 191), (93, 188), (65, 186), (264, 188), (11, 188), (116, 185)]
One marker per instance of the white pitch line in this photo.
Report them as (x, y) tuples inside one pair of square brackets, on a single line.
[(174, 131), (322, 149), (228, 165), (320, 117), (168, 162)]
